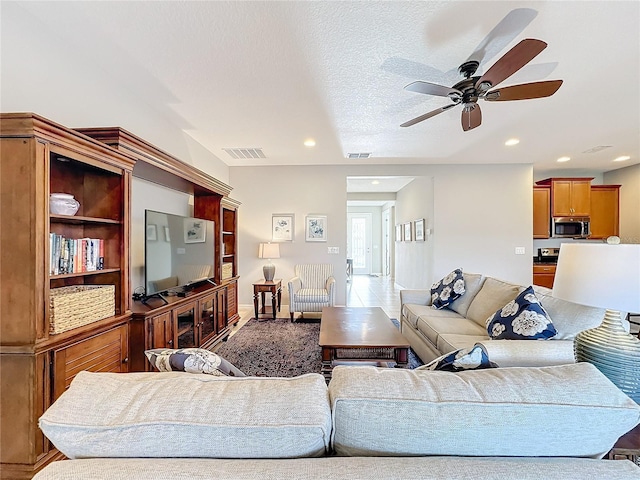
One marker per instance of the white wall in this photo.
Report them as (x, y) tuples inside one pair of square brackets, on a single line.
[(629, 179), (72, 87), (480, 214)]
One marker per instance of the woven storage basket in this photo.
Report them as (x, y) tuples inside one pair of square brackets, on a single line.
[(227, 270), (77, 305)]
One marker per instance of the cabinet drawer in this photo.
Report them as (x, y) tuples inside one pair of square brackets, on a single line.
[(106, 352), (544, 269)]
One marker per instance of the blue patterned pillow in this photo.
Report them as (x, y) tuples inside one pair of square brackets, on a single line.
[(445, 291), (474, 358), (523, 318), (192, 360)]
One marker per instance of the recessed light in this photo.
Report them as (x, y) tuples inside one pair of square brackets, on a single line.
[(309, 142), (622, 158), (511, 142), (375, 182), (563, 159)]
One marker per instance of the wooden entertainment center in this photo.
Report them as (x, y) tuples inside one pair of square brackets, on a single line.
[(96, 166)]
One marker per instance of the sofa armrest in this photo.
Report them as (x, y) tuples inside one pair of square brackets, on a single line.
[(529, 353), (294, 285), (418, 297), (330, 286)]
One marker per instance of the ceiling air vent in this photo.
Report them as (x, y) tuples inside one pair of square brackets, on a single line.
[(359, 155), (597, 149), (239, 153)]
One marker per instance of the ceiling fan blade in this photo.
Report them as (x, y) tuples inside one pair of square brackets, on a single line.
[(524, 91), (430, 114), (432, 89), (504, 32), (471, 116), (512, 61)]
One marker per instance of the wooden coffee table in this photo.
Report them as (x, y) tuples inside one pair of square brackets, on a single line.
[(362, 335)]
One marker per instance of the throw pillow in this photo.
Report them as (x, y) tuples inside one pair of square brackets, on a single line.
[(445, 291), (474, 358), (523, 318), (191, 360)]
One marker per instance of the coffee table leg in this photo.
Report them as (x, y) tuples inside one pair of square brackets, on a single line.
[(402, 357), (328, 354)]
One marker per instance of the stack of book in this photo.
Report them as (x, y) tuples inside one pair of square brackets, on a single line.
[(74, 255)]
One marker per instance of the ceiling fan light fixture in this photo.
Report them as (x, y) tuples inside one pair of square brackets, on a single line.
[(511, 142), (622, 158), (563, 159)]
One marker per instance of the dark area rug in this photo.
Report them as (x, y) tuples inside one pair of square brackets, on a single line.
[(279, 348)]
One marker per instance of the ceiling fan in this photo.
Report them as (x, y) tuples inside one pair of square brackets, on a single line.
[(468, 91)]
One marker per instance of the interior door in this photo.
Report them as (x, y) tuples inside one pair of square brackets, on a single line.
[(359, 242)]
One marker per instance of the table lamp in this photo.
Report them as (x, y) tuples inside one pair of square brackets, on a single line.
[(269, 251), (604, 276)]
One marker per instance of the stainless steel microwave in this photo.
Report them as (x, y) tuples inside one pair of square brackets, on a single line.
[(570, 227)]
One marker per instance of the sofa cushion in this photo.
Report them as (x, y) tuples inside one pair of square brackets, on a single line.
[(473, 358), (472, 283), (343, 468), (317, 295), (412, 312), (446, 290), (569, 318), (192, 360), (493, 295), (433, 326), (523, 318), (448, 342), (562, 411), (178, 414)]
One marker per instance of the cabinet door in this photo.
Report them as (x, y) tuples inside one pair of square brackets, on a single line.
[(105, 352), (561, 198), (543, 275), (581, 197), (541, 212), (208, 326), (161, 335), (185, 323), (605, 211)]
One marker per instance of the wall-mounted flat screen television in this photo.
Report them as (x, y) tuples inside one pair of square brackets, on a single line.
[(179, 251)]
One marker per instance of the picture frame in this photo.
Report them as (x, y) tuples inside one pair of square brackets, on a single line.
[(167, 237), (315, 228), (419, 230), (407, 232), (282, 227), (195, 230), (398, 232), (152, 232)]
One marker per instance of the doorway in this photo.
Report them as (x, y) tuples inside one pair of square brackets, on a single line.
[(359, 242)]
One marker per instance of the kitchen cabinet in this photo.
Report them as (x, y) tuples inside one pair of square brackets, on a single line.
[(544, 274), (570, 197), (541, 212), (605, 211)]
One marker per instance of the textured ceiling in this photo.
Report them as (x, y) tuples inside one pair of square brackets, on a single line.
[(271, 74)]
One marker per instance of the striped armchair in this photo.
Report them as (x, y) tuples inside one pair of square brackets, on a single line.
[(312, 288)]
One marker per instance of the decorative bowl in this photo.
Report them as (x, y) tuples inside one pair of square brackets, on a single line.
[(63, 204)]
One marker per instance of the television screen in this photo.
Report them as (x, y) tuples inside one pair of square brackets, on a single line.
[(179, 251)]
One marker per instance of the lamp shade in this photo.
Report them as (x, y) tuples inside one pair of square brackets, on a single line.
[(599, 275), (269, 250), (604, 276)]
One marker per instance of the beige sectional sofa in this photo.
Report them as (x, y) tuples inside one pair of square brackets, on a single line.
[(433, 332), (505, 423)]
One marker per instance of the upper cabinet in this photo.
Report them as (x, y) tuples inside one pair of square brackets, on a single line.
[(541, 212), (570, 197), (605, 211)]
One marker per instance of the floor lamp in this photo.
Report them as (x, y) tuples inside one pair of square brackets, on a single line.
[(604, 276)]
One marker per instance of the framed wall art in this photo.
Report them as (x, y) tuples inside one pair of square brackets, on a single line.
[(315, 228), (194, 230), (282, 227), (419, 233), (398, 233), (407, 232)]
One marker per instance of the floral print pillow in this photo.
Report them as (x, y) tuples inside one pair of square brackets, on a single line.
[(474, 358), (445, 291), (191, 360), (523, 318)]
